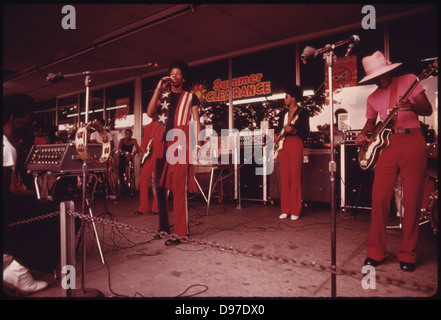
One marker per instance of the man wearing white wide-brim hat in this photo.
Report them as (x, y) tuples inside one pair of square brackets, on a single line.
[(405, 155)]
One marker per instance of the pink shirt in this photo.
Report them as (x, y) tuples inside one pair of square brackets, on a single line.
[(378, 102)]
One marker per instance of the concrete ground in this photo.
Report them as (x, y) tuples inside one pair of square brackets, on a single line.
[(241, 252)]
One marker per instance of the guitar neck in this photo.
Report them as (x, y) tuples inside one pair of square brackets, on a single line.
[(410, 90), (392, 114)]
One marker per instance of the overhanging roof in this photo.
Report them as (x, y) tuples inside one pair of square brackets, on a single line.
[(120, 35)]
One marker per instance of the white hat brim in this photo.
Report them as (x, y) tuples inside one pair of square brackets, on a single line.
[(380, 72)]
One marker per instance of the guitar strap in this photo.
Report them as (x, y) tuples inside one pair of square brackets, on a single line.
[(393, 93), (286, 118), (393, 98)]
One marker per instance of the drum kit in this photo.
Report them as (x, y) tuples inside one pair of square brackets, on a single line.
[(429, 207)]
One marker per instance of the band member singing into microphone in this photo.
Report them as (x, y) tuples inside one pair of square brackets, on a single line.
[(405, 155), (292, 130), (172, 109)]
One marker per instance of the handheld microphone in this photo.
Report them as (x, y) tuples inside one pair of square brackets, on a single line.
[(169, 79)]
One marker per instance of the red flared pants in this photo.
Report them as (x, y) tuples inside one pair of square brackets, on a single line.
[(290, 160), (155, 131), (406, 156)]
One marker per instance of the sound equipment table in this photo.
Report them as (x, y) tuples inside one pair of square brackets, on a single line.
[(61, 158)]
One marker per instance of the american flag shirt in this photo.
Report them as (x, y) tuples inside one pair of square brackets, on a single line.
[(174, 112), (179, 114)]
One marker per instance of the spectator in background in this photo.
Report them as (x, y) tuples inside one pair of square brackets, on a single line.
[(41, 136), (128, 147), (27, 246), (96, 138), (63, 137)]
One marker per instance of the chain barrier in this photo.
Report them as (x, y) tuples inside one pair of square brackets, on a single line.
[(33, 219), (415, 286)]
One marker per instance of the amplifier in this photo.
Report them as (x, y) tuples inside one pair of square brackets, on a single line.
[(314, 139), (355, 183), (349, 136), (252, 140), (62, 158), (315, 175)]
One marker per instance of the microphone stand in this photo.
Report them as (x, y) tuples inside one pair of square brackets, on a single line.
[(329, 57), (87, 292), (87, 80)]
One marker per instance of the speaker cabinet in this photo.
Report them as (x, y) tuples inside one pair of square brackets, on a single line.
[(355, 183), (253, 186), (316, 184), (353, 186)]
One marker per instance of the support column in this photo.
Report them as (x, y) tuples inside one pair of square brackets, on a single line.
[(137, 126)]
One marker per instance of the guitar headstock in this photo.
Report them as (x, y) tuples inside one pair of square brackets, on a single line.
[(432, 68)]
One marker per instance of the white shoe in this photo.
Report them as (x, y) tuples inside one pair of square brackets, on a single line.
[(20, 278), (295, 217), (283, 216)]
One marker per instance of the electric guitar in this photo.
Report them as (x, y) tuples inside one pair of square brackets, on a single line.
[(147, 154), (369, 152), (278, 146)]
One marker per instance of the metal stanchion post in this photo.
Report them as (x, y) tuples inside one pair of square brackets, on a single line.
[(67, 244)]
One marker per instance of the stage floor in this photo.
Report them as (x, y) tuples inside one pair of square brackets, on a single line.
[(243, 252)]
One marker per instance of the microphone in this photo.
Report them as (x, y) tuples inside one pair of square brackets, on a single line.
[(353, 41), (169, 79), (307, 53), (54, 77)]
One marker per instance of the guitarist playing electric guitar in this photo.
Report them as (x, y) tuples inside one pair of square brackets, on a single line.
[(292, 130), (405, 155)]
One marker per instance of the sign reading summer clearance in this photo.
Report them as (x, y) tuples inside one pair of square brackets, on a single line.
[(243, 87)]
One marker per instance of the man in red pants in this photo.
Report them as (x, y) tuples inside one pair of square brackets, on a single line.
[(172, 109), (292, 130), (405, 155)]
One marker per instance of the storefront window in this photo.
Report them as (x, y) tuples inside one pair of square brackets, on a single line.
[(258, 85), (119, 106), (414, 42), (312, 72), (68, 112), (95, 105), (346, 72), (203, 80), (148, 87)]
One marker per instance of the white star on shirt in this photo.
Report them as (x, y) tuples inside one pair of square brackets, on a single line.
[(165, 94), (162, 118), (165, 105)]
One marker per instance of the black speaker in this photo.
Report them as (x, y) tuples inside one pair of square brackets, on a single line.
[(316, 184), (356, 183), (253, 186)]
